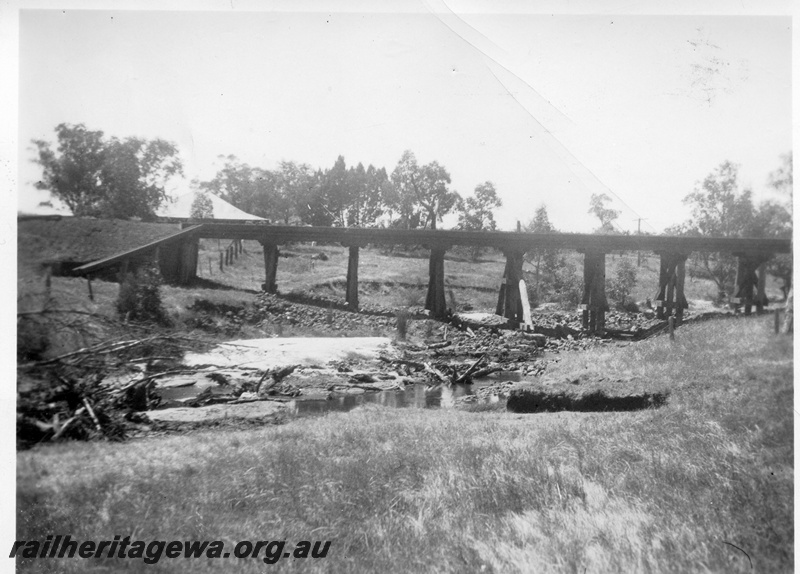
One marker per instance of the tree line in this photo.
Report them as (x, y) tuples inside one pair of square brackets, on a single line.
[(114, 178), (413, 196)]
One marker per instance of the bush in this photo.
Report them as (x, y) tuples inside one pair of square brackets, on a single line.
[(569, 286), (631, 307), (33, 339), (559, 282), (623, 281), (140, 298)]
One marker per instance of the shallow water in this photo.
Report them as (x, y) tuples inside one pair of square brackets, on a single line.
[(418, 396), (414, 396)]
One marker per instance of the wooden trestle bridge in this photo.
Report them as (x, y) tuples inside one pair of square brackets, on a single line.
[(177, 258)]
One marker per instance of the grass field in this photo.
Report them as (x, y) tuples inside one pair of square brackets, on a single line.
[(703, 484)]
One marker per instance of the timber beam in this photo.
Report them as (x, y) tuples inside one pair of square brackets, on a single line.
[(751, 281), (594, 303), (509, 302), (671, 281)]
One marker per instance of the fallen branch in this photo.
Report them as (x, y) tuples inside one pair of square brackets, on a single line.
[(150, 378), (417, 365), (470, 370), (437, 373), (91, 414), (67, 423), (486, 371), (439, 345), (103, 348)]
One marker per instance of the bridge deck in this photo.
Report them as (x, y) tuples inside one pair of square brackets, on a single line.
[(503, 240)]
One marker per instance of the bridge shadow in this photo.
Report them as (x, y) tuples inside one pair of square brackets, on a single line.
[(544, 401)]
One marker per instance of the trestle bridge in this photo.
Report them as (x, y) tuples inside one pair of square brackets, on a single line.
[(177, 258)]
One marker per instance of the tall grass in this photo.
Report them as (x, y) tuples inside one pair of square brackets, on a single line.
[(662, 490)]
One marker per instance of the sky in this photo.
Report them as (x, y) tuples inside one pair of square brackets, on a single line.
[(548, 107)]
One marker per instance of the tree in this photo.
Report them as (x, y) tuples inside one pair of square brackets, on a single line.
[(251, 189), (543, 260), (106, 178), (134, 174), (201, 208), (73, 174), (554, 276), (366, 195), (476, 212), (597, 207), (277, 195), (720, 208), (324, 202), (421, 191), (781, 178), (292, 186), (780, 266)]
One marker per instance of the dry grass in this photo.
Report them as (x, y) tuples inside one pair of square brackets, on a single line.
[(390, 281), (660, 490)]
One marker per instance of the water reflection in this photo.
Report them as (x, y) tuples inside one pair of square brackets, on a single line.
[(414, 396)]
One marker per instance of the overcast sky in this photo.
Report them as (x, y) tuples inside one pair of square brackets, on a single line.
[(550, 108)]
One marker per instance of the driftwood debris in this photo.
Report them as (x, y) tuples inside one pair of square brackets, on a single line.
[(103, 348), (276, 375), (440, 345), (90, 410), (465, 378), (415, 364), (437, 373)]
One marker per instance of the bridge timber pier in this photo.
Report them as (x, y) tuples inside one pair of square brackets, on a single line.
[(752, 254)]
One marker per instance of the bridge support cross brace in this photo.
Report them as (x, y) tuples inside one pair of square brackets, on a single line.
[(435, 301), (351, 295), (270, 267), (594, 303), (509, 304), (751, 281), (671, 281)]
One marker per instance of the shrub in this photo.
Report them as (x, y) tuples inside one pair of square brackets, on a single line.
[(556, 281), (623, 281), (140, 298), (567, 285), (32, 339), (631, 307)]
